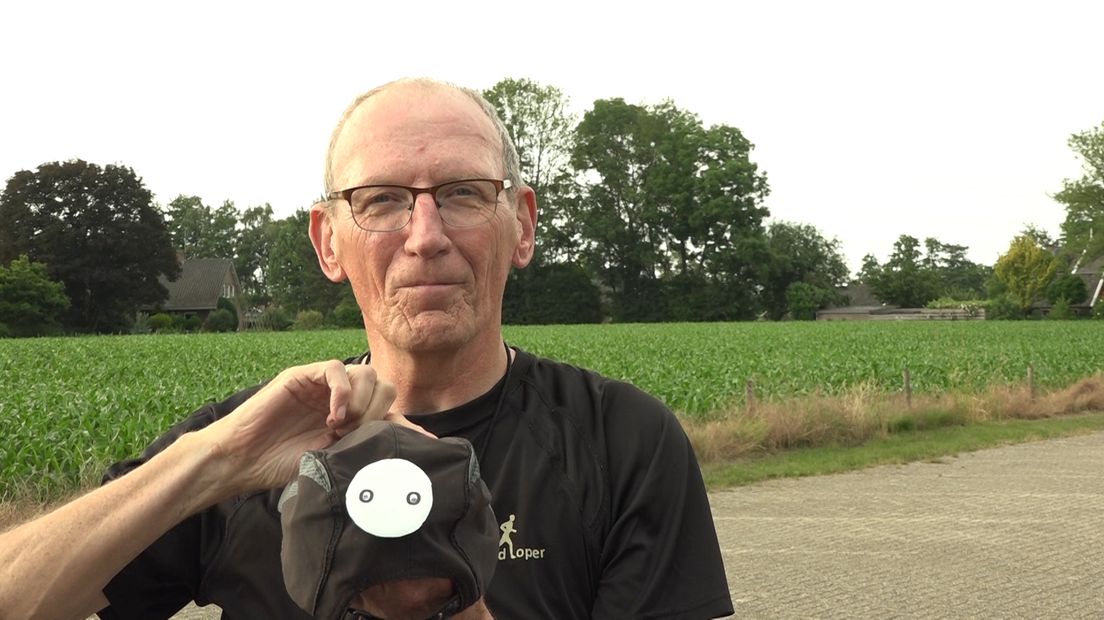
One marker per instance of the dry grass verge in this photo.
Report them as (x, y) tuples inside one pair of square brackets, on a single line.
[(14, 512), (864, 413)]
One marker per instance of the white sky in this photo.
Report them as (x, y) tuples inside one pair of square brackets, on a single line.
[(871, 119)]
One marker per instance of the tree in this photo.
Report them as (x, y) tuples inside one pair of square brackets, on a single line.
[(668, 204), (904, 280), (251, 257), (799, 253), (542, 129), (804, 299), (958, 277), (1069, 287), (1025, 271), (296, 282), (99, 234), (1083, 228), (198, 231), (30, 303), (540, 126), (562, 294)]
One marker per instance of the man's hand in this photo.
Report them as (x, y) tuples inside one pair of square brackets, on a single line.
[(304, 408)]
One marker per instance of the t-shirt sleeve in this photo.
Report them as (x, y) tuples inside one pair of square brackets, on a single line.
[(167, 575), (661, 558)]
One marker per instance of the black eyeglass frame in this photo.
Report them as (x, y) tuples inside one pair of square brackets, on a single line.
[(347, 195)]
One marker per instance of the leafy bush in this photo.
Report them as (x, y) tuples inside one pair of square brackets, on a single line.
[(141, 323), (4, 331), (1060, 311), (221, 320), (274, 318), (30, 302), (1098, 310), (805, 299), (307, 319), (1002, 308), (160, 322), (186, 323), (1068, 287), (560, 293), (347, 314), (228, 305)]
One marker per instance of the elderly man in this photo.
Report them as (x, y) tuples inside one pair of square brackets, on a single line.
[(602, 509)]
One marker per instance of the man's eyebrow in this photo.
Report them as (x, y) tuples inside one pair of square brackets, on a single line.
[(441, 180)]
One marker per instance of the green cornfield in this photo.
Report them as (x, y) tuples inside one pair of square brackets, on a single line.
[(71, 405)]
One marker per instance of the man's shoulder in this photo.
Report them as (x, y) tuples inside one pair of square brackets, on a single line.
[(561, 383)]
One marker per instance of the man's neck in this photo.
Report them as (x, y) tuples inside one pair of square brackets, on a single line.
[(428, 382)]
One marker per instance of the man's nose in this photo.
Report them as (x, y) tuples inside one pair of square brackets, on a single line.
[(426, 230)]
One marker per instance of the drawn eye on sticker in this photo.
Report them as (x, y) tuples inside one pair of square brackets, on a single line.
[(389, 498)]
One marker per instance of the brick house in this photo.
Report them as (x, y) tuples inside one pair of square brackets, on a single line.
[(201, 283)]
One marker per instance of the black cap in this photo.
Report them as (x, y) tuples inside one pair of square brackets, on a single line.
[(381, 504)]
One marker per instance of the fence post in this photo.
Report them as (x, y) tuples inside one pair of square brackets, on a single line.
[(908, 389), (750, 389), (1031, 381)]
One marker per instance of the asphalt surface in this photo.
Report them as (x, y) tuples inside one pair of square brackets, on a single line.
[(1013, 532)]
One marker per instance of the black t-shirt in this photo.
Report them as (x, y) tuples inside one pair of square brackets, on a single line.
[(599, 498)]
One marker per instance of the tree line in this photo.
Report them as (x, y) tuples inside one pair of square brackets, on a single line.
[(646, 214)]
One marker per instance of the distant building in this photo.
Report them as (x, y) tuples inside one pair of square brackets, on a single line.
[(864, 306), (1092, 273), (201, 283)]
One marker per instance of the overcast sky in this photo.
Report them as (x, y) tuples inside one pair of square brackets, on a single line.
[(870, 119)]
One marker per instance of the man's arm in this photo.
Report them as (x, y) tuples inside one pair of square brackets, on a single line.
[(661, 557), (57, 566)]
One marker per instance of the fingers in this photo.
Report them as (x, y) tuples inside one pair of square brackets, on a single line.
[(370, 398), (357, 395), (340, 389), (380, 403), (365, 388)]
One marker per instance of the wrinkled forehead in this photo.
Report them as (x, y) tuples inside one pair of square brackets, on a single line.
[(416, 134)]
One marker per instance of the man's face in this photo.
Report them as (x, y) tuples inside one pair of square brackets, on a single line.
[(427, 287), (405, 599)]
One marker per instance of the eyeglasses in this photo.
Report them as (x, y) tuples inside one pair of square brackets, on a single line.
[(386, 208)]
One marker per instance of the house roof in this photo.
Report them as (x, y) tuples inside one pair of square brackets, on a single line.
[(1091, 273), (199, 285), (859, 295)]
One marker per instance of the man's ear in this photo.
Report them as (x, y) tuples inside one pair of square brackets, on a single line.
[(527, 225), (325, 243)]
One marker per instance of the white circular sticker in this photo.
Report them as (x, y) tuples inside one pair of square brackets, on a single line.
[(389, 498)]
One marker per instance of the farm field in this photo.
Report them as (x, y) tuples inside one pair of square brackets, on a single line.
[(71, 405)]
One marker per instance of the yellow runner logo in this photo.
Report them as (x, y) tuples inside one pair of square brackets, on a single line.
[(506, 550)]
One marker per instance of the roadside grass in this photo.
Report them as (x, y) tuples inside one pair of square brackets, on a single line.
[(905, 447), (865, 427)]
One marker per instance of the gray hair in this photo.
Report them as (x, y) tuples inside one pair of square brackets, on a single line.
[(509, 152)]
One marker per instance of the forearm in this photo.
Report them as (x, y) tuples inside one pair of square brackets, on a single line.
[(58, 565)]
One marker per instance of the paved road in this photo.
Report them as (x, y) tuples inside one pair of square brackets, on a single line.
[(1012, 532)]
